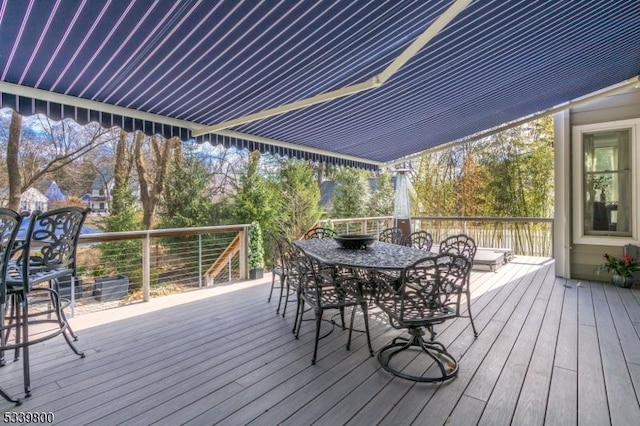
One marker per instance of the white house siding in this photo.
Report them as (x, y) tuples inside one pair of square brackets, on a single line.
[(32, 199), (583, 258)]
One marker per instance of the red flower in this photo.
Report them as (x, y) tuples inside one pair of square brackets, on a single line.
[(626, 266)]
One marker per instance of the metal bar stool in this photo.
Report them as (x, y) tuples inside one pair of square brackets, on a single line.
[(46, 255), (9, 225)]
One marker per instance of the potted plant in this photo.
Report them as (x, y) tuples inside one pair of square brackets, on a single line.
[(256, 251), (329, 225), (621, 270)]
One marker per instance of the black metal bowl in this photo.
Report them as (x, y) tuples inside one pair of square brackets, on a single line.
[(355, 242)]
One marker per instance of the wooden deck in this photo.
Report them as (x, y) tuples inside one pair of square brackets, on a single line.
[(550, 351)]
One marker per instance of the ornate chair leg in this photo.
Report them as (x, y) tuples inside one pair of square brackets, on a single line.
[(60, 310), (282, 280), (318, 313), (15, 316), (273, 283), (473, 326), (297, 324), (4, 337), (8, 398), (286, 300), (353, 316), (365, 314), (299, 311), (24, 324), (62, 320)]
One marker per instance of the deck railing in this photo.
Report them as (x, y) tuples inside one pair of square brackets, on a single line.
[(524, 236), (116, 268), (119, 267)]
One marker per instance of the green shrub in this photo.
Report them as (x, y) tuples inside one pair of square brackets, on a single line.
[(256, 246)]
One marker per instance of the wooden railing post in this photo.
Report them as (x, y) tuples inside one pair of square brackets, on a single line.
[(244, 258), (146, 268), (199, 260)]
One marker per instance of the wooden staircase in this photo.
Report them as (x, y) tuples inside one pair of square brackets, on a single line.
[(222, 261)]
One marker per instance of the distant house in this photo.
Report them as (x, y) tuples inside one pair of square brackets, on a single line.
[(54, 194), (30, 200), (99, 198)]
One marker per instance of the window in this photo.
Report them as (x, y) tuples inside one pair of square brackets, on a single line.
[(604, 183)]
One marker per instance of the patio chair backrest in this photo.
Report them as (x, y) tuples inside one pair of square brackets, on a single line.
[(461, 244), (430, 291), (319, 233), (9, 225), (52, 239), (420, 239), (391, 235)]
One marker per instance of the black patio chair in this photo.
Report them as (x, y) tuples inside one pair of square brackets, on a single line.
[(277, 267), (429, 294), (280, 248), (420, 239), (391, 235), (323, 292), (47, 255), (465, 246), (319, 233), (290, 271), (9, 225)]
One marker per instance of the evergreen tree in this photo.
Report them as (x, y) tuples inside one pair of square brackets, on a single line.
[(381, 201), (256, 196), (351, 194), (123, 256), (186, 202), (299, 199)]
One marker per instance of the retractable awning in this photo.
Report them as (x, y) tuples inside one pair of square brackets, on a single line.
[(353, 82)]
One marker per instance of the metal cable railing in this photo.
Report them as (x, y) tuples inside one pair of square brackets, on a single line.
[(117, 268), (523, 236)]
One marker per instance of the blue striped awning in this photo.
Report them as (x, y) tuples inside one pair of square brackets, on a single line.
[(175, 67)]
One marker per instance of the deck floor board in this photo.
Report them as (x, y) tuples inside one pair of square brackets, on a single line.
[(550, 351)]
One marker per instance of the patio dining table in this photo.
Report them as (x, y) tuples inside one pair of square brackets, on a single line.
[(380, 256)]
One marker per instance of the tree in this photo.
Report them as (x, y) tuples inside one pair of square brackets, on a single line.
[(519, 164), (256, 196), (186, 201), (470, 183), (299, 199), (220, 164), (38, 148), (152, 177), (509, 174), (122, 255), (382, 200), (434, 183), (350, 195), (13, 165)]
